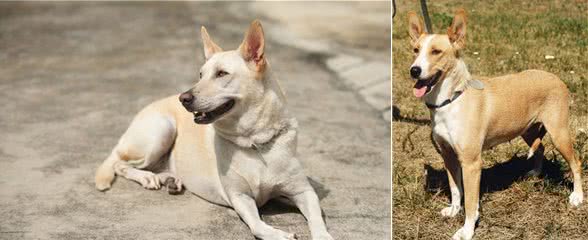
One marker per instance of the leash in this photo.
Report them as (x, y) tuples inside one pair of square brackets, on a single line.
[(393, 8), (426, 16)]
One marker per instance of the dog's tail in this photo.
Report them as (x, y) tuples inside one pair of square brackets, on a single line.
[(105, 173)]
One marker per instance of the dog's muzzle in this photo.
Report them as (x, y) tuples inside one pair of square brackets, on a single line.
[(202, 117), (424, 86), (211, 116)]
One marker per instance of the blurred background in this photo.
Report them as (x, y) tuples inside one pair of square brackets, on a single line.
[(502, 37), (73, 75)]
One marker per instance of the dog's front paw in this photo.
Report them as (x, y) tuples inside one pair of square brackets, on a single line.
[(450, 211), (463, 234), (291, 236), (324, 236), (281, 235), (271, 233), (576, 198), (150, 181)]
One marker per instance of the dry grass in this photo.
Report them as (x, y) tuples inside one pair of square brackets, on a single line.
[(509, 36)]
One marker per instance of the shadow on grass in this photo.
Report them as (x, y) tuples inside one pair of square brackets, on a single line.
[(397, 117), (407, 143), (500, 176)]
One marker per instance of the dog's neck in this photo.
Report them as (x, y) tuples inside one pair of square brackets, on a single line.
[(259, 120), (452, 81)]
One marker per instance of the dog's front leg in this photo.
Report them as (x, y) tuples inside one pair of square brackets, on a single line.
[(472, 170), (245, 206), (455, 180), (308, 203)]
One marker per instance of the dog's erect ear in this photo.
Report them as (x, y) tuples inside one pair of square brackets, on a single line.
[(416, 27), (457, 31), (252, 47), (210, 48)]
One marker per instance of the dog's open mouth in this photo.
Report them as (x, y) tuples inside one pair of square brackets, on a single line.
[(423, 86), (209, 117)]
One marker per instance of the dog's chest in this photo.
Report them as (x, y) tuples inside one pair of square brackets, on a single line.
[(261, 171), (258, 173), (447, 125)]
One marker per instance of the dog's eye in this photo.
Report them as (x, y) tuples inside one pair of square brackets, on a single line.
[(221, 73), (416, 50), (436, 52)]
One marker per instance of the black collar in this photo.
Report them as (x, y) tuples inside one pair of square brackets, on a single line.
[(444, 103)]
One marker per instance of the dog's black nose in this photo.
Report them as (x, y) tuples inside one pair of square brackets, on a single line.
[(186, 98), (415, 72)]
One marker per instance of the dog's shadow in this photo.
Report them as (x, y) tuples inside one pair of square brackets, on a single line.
[(496, 178), (281, 206), (500, 176)]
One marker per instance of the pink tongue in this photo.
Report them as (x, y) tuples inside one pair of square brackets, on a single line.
[(419, 92)]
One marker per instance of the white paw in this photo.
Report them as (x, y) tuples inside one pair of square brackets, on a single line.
[(150, 181), (450, 211), (275, 234), (576, 198), (324, 236), (102, 186), (463, 234), (281, 235)]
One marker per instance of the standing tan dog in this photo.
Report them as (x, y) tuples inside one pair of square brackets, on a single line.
[(469, 115), (246, 157)]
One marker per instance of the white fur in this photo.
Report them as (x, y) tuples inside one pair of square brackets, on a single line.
[(576, 198), (455, 206), (467, 231), (445, 124), (421, 60), (530, 154)]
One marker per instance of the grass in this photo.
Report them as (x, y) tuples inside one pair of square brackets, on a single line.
[(503, 37)]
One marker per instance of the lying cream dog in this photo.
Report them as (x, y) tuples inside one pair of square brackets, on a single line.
[(246, 157)]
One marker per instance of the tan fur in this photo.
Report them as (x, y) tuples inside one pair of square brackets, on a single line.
[(526, 104)]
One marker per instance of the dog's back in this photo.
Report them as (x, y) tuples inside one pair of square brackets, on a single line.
[(512, 103)]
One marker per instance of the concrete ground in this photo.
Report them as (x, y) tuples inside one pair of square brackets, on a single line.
[(73, 75)]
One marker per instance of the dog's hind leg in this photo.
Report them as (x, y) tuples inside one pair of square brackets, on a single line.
[(533, 137), (557, 127), (148, 138), (105, 173), (147, 179)]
